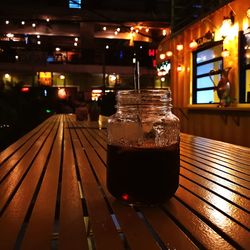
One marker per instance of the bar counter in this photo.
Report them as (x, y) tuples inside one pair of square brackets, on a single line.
[(53, 195)]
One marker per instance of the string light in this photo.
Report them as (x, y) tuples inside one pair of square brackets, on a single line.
[(7, 22), (179, 47), (162, 56), (104, 28), (179, 68), (169, 53), (75, 44), (33, 25), (147, 30), (193, 45), (39, 42), (23, 22), (225, 53)]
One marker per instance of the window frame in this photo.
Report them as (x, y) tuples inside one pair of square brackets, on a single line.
[(195, 77)]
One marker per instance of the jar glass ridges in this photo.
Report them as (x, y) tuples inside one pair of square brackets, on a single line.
[(143, 147)]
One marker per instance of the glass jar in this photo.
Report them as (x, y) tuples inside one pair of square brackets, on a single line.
[(143, 158)]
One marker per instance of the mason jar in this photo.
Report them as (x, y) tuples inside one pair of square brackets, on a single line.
[(143, 158)]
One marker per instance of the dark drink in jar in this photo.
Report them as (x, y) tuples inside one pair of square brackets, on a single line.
[(143, 157), (143, 175)]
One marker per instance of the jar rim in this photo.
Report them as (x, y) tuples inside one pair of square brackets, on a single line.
[(144, 91), (144, 96)]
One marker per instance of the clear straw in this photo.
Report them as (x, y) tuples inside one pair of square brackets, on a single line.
[(137, 76)]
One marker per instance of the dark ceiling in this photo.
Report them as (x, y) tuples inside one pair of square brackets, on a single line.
[(68, 23)]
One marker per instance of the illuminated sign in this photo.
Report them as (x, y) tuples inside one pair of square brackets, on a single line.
[(45, 78)]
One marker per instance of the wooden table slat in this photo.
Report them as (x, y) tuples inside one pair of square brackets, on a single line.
[(43, 213), (72, 232), (104, 229), (14, 215), (16, 145)]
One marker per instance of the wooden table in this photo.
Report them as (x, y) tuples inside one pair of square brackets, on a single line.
[(53, 195)]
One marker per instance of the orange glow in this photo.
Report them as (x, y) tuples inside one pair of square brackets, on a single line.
[(62, 93)]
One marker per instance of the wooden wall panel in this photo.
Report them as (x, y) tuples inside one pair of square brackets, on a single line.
[(208, 122)]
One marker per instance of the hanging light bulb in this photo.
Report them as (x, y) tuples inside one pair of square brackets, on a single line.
[(193, 45), (164, 32), (169, 53), (179, 68), (179, 47), (162, 56), (227, 23), (225, 53)]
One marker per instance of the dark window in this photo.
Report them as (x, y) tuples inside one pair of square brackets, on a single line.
[(244, 66), (207, 66)]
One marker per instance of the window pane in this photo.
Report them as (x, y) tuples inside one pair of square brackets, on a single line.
[(205, 82), (206, 96), (209, 54), (247, 48), (75, 4), (205, 69)]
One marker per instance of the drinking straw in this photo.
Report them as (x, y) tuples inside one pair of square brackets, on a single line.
[(137, 76)]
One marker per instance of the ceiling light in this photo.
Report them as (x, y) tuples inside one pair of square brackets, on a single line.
[(10, 35)]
